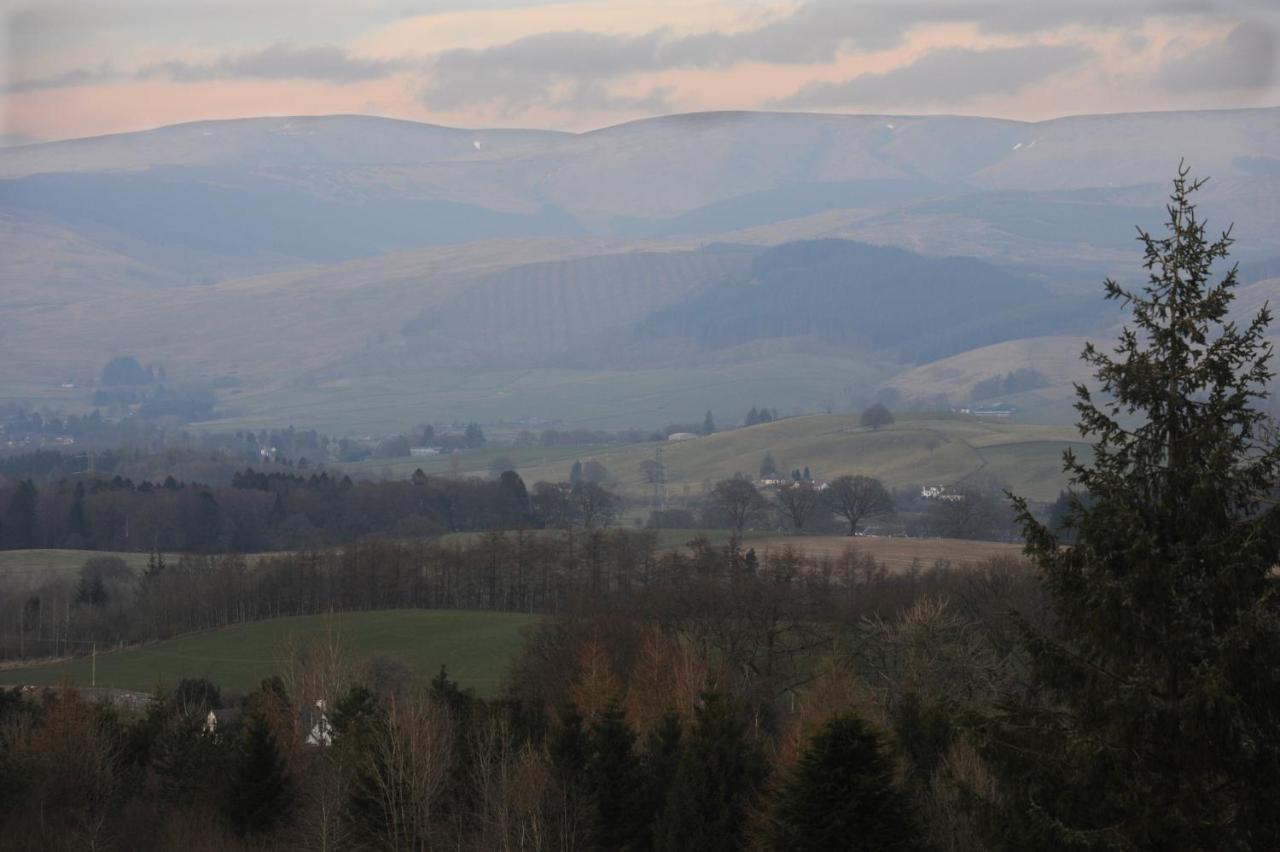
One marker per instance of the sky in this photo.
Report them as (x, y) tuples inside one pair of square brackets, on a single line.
[(73, 69)]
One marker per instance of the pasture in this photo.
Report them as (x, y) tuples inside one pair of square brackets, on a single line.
[(939, 450), (477, 647), (897, 554), (32, 566)]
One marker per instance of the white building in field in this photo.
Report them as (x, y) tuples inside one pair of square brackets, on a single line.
[(320, 731), (940, 492)]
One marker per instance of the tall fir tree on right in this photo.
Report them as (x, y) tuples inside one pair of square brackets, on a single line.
[(1152, 714)]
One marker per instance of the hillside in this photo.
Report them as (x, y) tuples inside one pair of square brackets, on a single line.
[(372, 273), (476, 647), (924, 451), (859, 296)]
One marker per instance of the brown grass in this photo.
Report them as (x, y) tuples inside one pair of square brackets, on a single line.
[(897, 554)]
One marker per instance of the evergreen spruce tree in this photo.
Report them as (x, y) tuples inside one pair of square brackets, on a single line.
[(661, 759), (260, 797), (720, 771), (768, 467), (619, 808), (842, 795), (78, 519), (568, 745), (1154, 717), (708, 424), (20, 520)]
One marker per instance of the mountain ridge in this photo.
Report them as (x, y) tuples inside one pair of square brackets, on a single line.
[(340, 254)]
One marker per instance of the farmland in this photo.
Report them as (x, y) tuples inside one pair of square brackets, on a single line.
[(897, 554), (932, 450), (36, 565), (476, 647)]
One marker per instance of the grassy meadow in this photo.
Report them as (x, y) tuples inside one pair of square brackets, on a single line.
[(476, 646), (592, 399), (938, 450), (36, 565)]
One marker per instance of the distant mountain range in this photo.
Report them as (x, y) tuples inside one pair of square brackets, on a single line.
[(303, 251)]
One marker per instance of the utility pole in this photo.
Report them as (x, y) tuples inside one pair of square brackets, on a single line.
[(659, 479), (93, 675)]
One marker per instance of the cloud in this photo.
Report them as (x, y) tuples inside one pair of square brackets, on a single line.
[(68, 79), (530, 69), (947, 74), (533, 68), (326, 62), (1027, 17), (564, 59), (592, 96), (814, 32), (281, 61), (1244, 59)]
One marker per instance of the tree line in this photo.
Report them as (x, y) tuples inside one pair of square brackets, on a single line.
[(694, 710), (261, 511), (110, 604)]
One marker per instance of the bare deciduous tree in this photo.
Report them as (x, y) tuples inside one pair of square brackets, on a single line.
[(856, 498), (407, 766), (740, 502), (796, 503)]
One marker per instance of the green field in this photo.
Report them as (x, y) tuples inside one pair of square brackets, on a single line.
[(471, 462), (937, 450), (592, 399), (667, 539), (476, 646), (36, 565)]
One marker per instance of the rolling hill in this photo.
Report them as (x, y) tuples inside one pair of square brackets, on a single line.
[(918, 451), (376, 273)]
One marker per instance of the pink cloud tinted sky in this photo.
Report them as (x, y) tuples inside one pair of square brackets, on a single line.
[(76, 69)]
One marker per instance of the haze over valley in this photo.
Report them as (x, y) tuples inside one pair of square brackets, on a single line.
[(354, 273)]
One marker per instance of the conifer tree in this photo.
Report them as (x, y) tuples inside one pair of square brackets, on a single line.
[(568, 746), (768, 467), (261, 796), (720, 771), (1154, 717), (708, 424), (20, 520), (661, 759), (78, 519), (841, 795), (615, 786)]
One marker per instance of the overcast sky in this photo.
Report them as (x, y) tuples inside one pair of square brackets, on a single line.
[(79, 69)]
